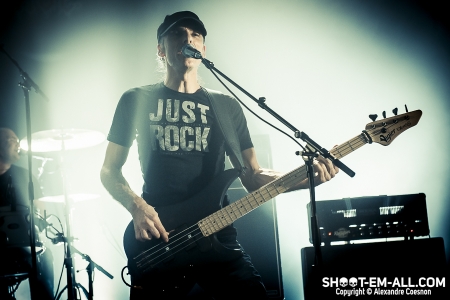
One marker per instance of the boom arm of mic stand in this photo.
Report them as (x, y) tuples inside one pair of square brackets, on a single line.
[(324, 152), (88, 259), (298, 134), (90, 269), (25, 76)]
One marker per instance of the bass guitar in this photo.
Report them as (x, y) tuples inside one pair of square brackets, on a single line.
[(194, 223)]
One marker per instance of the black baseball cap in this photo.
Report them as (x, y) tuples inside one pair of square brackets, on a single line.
[(180, 18)]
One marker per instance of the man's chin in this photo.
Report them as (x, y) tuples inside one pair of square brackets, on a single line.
[(16, 157), (191, 63)]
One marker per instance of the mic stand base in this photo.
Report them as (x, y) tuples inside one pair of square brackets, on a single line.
[(77, 285)]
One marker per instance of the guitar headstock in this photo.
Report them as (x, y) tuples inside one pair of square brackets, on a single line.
[(385, 131)]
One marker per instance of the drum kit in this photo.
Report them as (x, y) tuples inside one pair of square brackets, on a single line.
[(15, 223)]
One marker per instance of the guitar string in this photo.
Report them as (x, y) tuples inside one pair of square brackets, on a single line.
[(360, 141), (288, 180), (220, 226), (173, 244), (342, 150), (170, 244), (164, 246), (143, 261), (149, 259), (180, 234), (254, 203)]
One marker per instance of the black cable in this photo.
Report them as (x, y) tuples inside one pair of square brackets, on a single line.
[(62, 270), (126, 283), (123, 279), (255, 114), (60, 277)]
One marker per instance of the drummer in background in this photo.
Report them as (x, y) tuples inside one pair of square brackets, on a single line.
[(17, 177)]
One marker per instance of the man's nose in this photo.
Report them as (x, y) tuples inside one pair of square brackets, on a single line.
[(188, 37)]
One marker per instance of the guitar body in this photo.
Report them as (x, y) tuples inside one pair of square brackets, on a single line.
[(187, 246)]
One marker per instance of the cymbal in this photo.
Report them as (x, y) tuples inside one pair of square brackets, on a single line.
[(62, 139), (72, 197)]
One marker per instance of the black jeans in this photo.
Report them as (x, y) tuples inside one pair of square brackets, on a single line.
[(235, 279)]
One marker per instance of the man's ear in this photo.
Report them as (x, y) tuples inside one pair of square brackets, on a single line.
[(204, 51), (161, 51)]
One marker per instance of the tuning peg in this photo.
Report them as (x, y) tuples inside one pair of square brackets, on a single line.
[(406, 108), (384, 114), (395, 110), (373, 117)]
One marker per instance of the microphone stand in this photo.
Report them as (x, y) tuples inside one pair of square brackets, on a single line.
[(68, 261), (312, 150), (26, 85), (90, 270)]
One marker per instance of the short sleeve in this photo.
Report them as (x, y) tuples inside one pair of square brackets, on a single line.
[(123, 130), (241, 127)]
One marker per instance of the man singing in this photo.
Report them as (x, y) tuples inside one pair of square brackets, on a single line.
[(181, 149)]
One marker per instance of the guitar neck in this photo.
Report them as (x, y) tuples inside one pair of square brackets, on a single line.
[(227, 215)]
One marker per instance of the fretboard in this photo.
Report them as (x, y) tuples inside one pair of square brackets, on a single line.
[(227, 215)]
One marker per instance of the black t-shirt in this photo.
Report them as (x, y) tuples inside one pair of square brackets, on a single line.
[(180, 146), (19, 180)]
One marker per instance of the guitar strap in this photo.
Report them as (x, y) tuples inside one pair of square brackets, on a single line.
[(221, 109)]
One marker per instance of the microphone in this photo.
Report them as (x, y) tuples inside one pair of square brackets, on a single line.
[(190, 52)]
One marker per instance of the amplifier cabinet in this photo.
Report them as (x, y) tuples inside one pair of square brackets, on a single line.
[(371, 217), (408, 258)]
